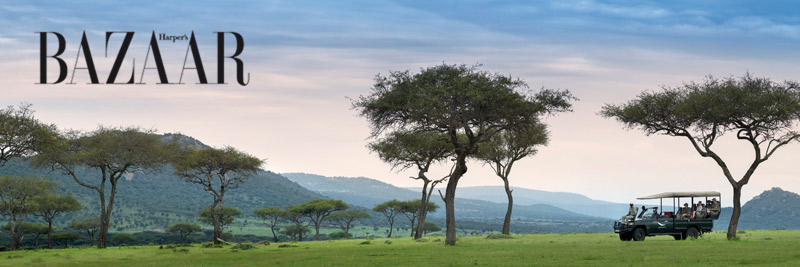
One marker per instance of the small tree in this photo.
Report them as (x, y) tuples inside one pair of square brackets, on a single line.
[(217, 171), (339, 235), (413, 208), (295, 231), (506, 148), (88, 225), (50, 205), (419, 149), (184, 229), (294, 215), (760, 112), (123, 238), (26, 228), (316, 211), (16, 201), (65, 238), (344, 218), (112, 153), (272, 215), (431, 227), (390, 209), (225, 217)]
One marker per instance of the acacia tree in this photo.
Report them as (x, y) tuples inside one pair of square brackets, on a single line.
[(419, 149), (217, 171), (344, 218), (272, 215), (431, 227), (51, 205), (184, 229), (226, 216), (25, 228), (508, 147), (88, 225), (16, 201), (316, 211), (413, 209), (760, 112), (390, 209), (463, 103), (21, 134), (295, 215), (112, 153)]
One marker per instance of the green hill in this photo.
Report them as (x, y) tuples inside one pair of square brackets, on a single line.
[(154, 201), (772, 209)]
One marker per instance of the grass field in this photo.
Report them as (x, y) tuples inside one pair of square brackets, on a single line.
[(767, 247)]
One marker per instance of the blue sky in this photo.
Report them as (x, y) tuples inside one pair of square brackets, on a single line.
[(306, 57)]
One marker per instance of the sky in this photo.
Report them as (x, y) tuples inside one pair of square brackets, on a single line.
[(307, 59)]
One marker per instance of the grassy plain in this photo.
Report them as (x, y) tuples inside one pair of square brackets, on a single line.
[(766, 247)]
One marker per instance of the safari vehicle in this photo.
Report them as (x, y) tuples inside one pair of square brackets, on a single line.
[(650, 222)]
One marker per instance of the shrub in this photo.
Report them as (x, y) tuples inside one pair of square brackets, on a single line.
[(339, 235), (422, 240), (286, 246), (499, 236), (388, 242), (367, 242), (243, 246)]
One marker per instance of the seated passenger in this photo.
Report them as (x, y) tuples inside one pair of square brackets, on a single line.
[(683, 213), (714, 208), (699, 211), (631, 214)]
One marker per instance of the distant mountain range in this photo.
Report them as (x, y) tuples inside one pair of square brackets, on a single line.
[(772, 209), (369, 192)]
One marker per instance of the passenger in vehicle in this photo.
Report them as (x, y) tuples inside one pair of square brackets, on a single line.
[(699, 211), (683, 213), (714, 208), (631, 214)]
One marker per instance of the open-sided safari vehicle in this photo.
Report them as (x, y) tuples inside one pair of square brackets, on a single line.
[(680, 223)]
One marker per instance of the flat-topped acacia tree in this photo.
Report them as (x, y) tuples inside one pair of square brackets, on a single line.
[(463, 103), (111, 153), (316, 211), (758, 111), (217, 171), (506, 148), (418, 149)]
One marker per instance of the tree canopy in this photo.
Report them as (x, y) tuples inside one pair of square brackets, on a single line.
[(316, 210), (757, 110), (21, 134)]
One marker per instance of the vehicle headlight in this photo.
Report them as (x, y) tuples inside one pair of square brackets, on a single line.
[(630, 223)]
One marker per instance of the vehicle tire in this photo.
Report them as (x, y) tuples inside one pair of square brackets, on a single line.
[(678, 236), (625, 237), (638, 234), (692, 233)]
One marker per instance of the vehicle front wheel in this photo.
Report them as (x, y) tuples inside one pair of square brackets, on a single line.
[(638, 234), (625, 237), (692, 233)]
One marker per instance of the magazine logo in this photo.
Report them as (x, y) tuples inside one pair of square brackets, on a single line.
[(153, 57)]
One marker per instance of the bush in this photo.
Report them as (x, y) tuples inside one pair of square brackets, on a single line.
[(388, 242), (264, 242), (499, 236), (339, 235), (286, 246), (243, 246), (365, 243)]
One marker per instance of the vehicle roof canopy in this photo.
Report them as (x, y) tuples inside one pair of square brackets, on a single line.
[(683, 194)]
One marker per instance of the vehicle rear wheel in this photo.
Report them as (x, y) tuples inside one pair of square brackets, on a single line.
[(677, 237), (625, 237), (692, 233), (638, 234)]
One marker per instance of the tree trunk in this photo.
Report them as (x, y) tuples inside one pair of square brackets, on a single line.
[(299, 233), (423, 209), (460, 170), (737, 210), (50, 234), (274, 235), (391, 227), (507, 221), (105, 220), (217, 227), (347, 231), (13, 229), (316, 227)]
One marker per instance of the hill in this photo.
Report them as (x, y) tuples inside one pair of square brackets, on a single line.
[(368, 192), (568, 201), (772, 209), (154, 201)]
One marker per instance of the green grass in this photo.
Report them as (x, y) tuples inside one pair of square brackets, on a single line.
[(770, 247)]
